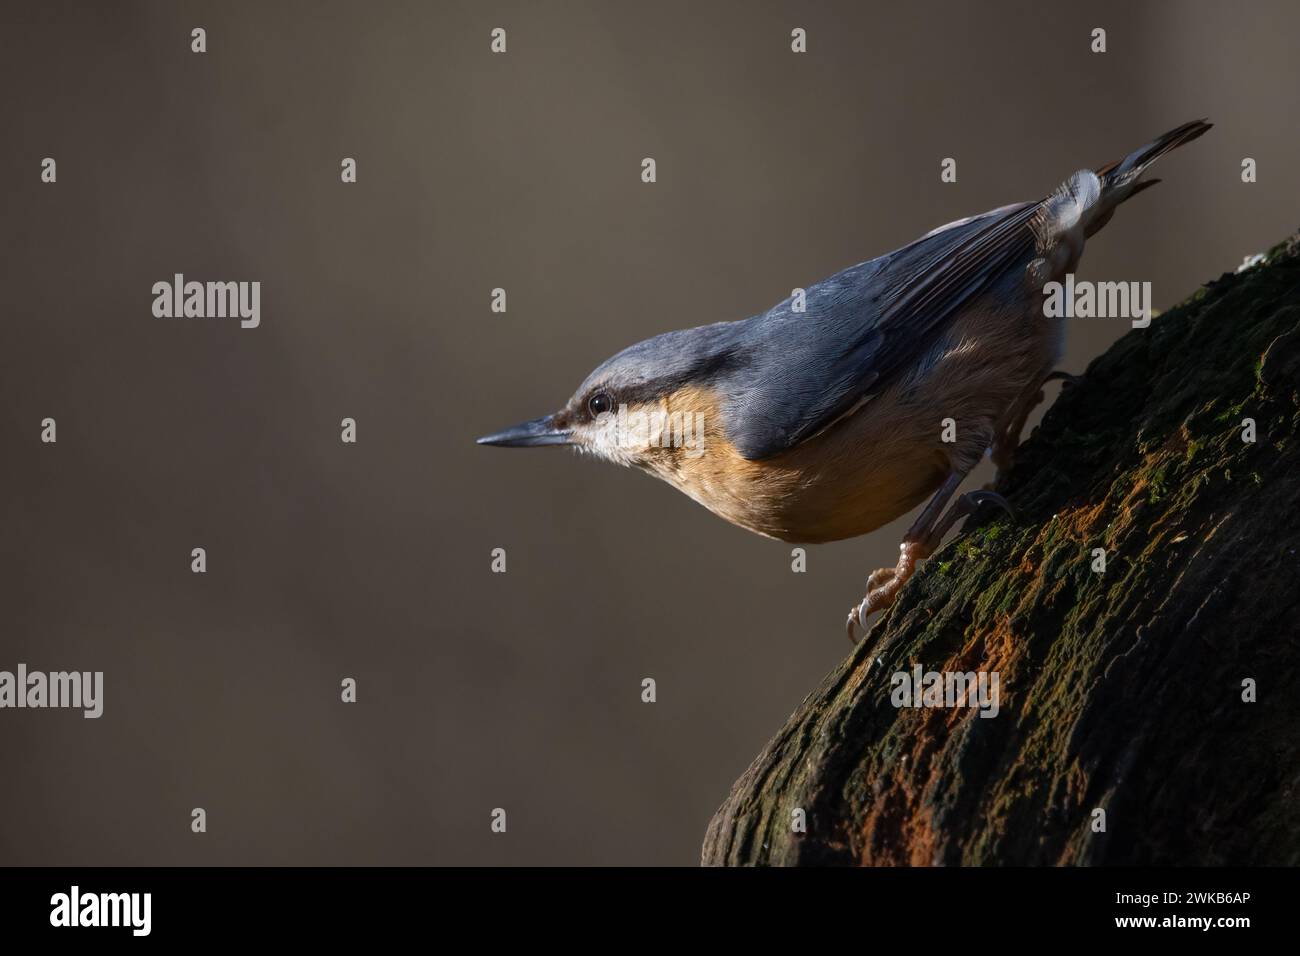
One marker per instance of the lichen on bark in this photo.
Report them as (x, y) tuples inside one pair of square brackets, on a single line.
[(1121, 690)]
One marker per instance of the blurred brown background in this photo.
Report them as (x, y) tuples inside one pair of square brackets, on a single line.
[(325, 560)]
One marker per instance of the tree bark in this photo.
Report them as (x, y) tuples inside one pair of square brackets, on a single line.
[(1122, 690)]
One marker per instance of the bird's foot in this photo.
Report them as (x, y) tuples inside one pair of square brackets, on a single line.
[(882, 587), (884, 584), (875, 580)]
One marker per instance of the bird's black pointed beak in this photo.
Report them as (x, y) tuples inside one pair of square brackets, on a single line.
[(540, 431)]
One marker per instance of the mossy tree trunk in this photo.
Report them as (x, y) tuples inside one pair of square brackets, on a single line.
[(1120, 690)]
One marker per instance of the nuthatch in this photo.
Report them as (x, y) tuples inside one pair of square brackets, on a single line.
[(825, 423)]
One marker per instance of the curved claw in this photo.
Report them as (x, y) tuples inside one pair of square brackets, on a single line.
[(858, 618), (865, 610), (973, 499), (1065, 378)]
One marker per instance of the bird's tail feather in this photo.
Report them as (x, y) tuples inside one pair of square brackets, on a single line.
[(1124, 171), (1086, 201)]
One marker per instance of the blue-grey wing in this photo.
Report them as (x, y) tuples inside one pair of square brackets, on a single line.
[(863, 326)]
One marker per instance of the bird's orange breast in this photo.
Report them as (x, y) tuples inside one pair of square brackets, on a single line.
[(846, 482)]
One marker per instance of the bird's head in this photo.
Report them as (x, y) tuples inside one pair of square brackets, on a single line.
[(647, 407)]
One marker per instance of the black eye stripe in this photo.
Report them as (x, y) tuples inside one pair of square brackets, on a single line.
[(600, 403)]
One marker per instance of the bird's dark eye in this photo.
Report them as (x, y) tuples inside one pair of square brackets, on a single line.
[(599, 404)]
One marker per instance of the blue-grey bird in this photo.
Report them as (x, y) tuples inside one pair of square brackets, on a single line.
[(826, 422)]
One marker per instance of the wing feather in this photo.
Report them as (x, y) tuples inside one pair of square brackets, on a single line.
[(866, 325)]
